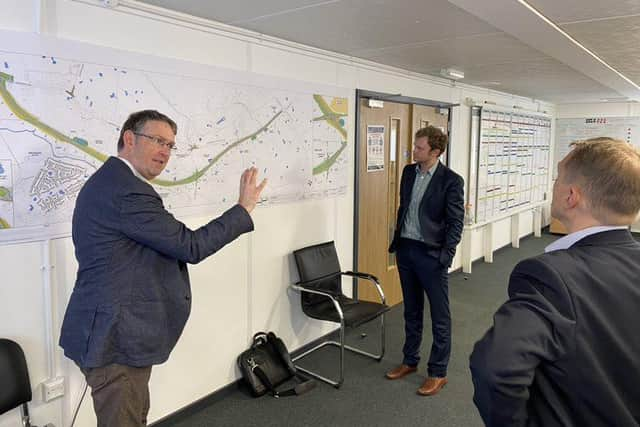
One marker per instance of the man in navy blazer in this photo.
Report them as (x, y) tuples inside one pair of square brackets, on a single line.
[(428, 229), (132, 295), (564, 349)]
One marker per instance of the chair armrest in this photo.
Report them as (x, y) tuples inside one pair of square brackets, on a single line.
[(371, 278), (300, 288), (361, 275)]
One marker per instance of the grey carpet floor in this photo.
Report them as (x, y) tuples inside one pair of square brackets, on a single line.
[(367, 398)]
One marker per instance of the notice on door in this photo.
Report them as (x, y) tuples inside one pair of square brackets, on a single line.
[(375, 148)]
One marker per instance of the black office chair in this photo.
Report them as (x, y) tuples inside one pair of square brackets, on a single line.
[(321, 294), (14, 377)]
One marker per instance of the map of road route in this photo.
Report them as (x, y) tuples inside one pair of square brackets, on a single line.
[(60, 119)]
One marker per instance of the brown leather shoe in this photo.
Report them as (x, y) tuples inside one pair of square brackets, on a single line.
[(432, 385), (400, 372)]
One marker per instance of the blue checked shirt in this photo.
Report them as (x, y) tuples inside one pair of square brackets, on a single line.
[(411, 228)]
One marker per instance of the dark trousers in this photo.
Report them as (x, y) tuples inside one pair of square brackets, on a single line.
[(120, 394), (421, 272)]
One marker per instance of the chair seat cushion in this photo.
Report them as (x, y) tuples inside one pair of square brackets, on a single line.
[(355, 312)]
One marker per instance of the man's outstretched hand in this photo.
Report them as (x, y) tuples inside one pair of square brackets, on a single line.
[(249, 191)]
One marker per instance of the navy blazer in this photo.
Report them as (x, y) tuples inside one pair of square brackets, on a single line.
[(132, 295), (565, 348), (441, 210)]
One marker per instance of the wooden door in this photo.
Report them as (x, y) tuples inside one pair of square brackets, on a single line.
[(379, 196)]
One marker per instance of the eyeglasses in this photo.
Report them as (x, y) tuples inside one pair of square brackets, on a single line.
[(160, 141)]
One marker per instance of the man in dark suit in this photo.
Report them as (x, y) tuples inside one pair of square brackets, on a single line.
[(132, 294), (428, 229), (563, 350)]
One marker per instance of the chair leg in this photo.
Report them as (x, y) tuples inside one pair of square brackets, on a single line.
[(342, 346), (377, 357), (24, 409)]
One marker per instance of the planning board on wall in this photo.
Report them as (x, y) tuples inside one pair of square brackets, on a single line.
[(509, 165), (580, 128), (62, 104)]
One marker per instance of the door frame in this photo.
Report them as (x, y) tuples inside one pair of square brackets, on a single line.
[(400, 99)]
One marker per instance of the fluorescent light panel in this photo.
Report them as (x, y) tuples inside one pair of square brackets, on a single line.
[(452, 73)]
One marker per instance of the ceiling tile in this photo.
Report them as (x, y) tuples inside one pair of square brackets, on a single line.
[(367, 24), (546, 79), (607, 35), (462, 53), (236, 10), (581, 10), (626, 61)]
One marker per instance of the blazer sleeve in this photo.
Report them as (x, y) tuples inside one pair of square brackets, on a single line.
[(405, 192), (453, 219), (534, 326), (145, 220), (404, 201)]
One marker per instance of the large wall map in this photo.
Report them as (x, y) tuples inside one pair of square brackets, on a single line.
[(62, 105)]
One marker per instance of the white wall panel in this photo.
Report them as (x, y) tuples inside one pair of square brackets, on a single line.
[(22, 320), (283, 63), (17, 15), (143, 34), (275, 306), (204, 359), (603, 109)]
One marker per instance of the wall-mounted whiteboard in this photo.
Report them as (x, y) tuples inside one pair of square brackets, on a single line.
[(575, 129), (510, 163)]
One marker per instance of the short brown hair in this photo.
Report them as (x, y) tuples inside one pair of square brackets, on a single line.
[(136, 121), (436, 139), (608, 172)]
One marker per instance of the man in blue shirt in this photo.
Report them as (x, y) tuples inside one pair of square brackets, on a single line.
[(428, 229)]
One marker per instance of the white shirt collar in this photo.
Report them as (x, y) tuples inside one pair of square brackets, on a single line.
[(570, 239), (135, 172)]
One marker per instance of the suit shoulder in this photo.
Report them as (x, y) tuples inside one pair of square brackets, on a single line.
[(113, 177), (451, 174), (408, 170), (547, 269), (455, 175), (408, 167), (544, 264), (546, 273)]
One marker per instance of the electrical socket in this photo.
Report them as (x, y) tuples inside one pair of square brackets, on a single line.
[(52, 388)]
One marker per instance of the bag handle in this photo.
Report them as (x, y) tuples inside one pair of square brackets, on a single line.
[(301, 388), (264, 379), (259, 338)]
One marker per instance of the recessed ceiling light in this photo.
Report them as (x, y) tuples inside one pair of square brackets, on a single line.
[(615, 99)]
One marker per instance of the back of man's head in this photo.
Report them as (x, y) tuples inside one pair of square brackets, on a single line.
[(608, 172)]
